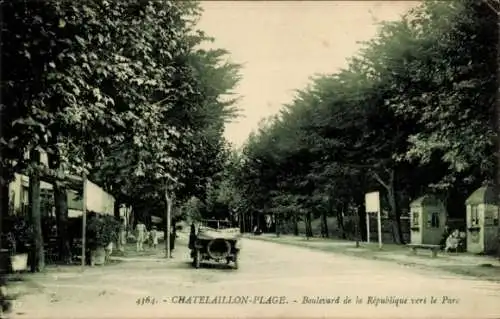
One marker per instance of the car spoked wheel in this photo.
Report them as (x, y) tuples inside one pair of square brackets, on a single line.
[(218, 249)]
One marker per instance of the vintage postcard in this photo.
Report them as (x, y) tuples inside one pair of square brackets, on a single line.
[(249, 159)]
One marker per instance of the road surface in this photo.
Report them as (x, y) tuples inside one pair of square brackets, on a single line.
[(273, 281)]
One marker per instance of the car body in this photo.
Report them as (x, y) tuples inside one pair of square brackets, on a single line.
[(220, 243)]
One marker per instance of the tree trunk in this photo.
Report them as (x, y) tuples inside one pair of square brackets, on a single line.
[(127, 220), (4, 204), (258, 218), (359, 212), (324, 223), (277, 222), (243, 223), (295, 224), (131, 221), (116, 210), (340, 220), (38, 261), (61, 207), (396, 221), (391, 197), (168, 226), (308, 225)]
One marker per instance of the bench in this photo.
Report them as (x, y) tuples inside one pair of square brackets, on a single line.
[(433, 248)]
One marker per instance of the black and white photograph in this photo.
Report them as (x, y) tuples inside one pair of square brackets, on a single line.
[(249, 159)]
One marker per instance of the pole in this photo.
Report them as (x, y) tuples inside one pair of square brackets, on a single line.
[(356, 225), (367, 227), (379, 224), (167, 231), (84, 219)]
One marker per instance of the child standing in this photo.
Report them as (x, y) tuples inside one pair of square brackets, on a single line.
[(154, 237)]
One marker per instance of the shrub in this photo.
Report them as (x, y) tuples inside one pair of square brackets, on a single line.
[(102, 230)]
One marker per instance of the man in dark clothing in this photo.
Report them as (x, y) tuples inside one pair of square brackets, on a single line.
[(192, 237)]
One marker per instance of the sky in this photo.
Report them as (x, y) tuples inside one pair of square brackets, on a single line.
[(281, 44)]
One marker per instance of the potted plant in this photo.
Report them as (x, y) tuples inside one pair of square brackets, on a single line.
[(101, 232), (20, 244)]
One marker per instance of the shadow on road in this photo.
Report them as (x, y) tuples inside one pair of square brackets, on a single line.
[(207, 265)]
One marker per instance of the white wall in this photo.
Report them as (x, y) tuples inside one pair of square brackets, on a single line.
[(98, 200)]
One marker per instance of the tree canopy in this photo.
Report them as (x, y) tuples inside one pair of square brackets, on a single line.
[(410, 114), (120, 91)]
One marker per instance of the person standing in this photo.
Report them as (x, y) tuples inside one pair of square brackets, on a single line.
[(192, 237), (122, 236), (140, 230), (154, 237)]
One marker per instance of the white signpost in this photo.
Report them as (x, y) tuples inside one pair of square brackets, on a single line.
[(372, 205)]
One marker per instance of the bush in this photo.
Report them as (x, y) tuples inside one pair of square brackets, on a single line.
[(19, 235), (102, 230)]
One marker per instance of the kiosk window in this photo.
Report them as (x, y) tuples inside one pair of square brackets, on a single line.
[(474, 217), (435, 220), (416, 218)]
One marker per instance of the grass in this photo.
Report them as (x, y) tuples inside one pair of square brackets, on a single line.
[(484, 271)]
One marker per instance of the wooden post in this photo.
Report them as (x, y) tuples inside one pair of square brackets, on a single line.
[(167, 231), (367, 227), (356, 226), (84, 219), (379, 227)]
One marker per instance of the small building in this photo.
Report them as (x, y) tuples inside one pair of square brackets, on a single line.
[(482, 220), (97, 199), (427, 220)]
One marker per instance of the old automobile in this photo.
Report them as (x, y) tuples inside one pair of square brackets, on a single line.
[(215, 240)]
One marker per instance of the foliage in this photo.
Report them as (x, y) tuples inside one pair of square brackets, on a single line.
[(408, 115), (191, 209), (118, 90), (102, 230)]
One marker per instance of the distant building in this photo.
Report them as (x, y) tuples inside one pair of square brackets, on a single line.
[(97, 199), (18, 191)]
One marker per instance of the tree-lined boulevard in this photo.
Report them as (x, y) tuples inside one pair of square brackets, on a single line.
[(309, 281), (128, 96)]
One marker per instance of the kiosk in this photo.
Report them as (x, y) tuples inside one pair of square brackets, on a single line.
[(482, 220), (428, 220)]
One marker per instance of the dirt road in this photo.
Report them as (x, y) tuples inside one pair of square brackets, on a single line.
[(300, 282)]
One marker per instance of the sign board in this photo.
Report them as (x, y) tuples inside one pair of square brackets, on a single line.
[(372, 202), (372, 205)]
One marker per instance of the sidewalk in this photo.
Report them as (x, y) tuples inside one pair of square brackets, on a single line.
[(37, 283), (484, 267)]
